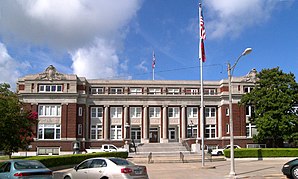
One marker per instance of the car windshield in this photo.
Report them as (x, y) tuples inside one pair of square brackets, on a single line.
[(28, 165), (119, 161)]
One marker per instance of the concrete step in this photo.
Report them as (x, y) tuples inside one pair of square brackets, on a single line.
[(161, 147), (191, 158)]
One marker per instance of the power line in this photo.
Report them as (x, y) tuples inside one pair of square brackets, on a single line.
[(169, 70)]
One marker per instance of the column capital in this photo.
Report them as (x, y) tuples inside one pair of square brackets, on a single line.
[(106, 106)]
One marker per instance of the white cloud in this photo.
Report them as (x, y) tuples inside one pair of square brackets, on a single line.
[(230, 17), (9, 67), (86, 29), (98, 60), (142, 66)]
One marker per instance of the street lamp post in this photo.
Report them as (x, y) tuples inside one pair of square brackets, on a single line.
[(230, 73)]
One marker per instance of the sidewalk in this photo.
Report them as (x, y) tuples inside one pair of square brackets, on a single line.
[(248, 168)]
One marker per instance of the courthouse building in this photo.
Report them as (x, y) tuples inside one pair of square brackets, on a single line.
[(75, 111)]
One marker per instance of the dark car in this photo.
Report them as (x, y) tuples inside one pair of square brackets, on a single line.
[(290, 169)]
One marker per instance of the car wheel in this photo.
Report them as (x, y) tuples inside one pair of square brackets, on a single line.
[(294, 172), (67, 177), (104, 177), (219, 153)]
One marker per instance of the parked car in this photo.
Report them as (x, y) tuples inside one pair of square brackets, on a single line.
[(290, 169), (24, 169), (107, 148), (221, 151), (104, 168)]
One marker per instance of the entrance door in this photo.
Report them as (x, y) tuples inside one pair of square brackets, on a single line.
[(153, 135), (172, 134), (136, 135)]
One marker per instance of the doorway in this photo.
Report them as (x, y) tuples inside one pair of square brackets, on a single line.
[(153, 135)]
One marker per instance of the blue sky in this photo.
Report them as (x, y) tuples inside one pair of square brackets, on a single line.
[(115, 39)]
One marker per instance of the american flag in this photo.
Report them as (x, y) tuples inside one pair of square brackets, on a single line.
[(202, 35), (153, 60)]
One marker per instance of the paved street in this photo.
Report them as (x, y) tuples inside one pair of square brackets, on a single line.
[(256, 169)]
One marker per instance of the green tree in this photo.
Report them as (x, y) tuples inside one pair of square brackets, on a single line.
[(15, 123), (273, 100)]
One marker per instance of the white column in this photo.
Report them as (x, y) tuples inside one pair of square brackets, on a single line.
[(145, 125), (165, 138), (126, 122), (219, 124), (106, 123), (183, 124)]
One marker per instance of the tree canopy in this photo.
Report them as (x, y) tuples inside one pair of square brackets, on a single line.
[(273, 99), (15, 123)]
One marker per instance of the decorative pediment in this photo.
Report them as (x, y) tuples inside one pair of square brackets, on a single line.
[(251, 76), (50, 74)]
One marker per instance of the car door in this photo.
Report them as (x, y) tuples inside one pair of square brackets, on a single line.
[(5, 170), (112, 148), (97, 169), (81, 170)]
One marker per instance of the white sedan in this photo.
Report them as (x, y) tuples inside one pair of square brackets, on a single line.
[(107, 168)]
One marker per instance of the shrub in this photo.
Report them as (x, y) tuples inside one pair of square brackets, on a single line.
[(61, 160), (262, 152)]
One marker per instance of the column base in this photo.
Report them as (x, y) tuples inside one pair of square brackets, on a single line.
[(164, 140), (144, 141)]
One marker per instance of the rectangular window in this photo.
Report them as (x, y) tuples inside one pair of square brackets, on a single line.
[(192, 131), (116, 91), (210, 91), (135, 112), (192, 91), (248, 111), (173, 91), (80, 111), (49, 88), (47, 151), (95, 90), (210, 111), (251, 130), (96, 131), (227, 112), (192, 112), (154, 91), (135, 90), (210, 131), (173, 112), (96, 112), (154, 111), (49, 131), (116, 132), (247, 89), (227, 128), (80, 129), (116, 112), (49, 110)]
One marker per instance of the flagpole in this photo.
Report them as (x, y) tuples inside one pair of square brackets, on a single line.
[(153, 74), (153, 64), (202, 92)]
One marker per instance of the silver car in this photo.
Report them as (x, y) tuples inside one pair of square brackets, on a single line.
[(24, 169), (107, 168)]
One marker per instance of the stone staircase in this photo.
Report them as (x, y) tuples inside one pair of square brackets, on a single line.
[(161, 148), (172, 152)]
